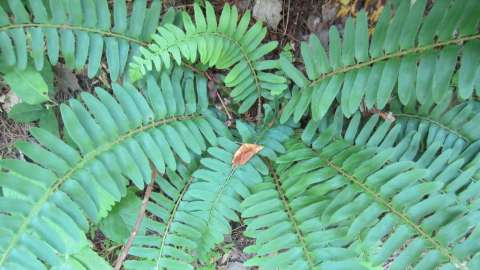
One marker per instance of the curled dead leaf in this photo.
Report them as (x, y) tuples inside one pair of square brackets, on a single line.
[(245, 153)]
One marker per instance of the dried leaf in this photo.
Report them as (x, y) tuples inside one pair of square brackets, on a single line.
[(245, 153), (66, 79)]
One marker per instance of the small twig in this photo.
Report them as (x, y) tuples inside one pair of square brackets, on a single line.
[(138, 222), (224, 106), (259, 111), (288, 18)]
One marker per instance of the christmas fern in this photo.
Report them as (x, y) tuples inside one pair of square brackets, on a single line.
[(369, 161)]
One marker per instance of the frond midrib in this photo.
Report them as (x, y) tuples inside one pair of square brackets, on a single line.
[(345, 69), (171, 218), (291, 216), (220, 193), (378, 198), (84, 160), (76, 27)]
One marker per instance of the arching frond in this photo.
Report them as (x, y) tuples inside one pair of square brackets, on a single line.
[(192, 212), (115, 138), (171, 232), (430, 126), (451, 125), (416, 53), (366, 197), (226, 44), (79, 30)]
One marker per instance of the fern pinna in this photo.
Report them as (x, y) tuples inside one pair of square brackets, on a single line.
[(369, 161)]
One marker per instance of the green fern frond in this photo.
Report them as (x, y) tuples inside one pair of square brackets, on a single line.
[(171, 232), (429, 212), (415, 53), (217, 191), (353, 205), (78, 30), (279, 237), (228, 44), (115, 138), (193, 211), (439, 126), (443, 122)]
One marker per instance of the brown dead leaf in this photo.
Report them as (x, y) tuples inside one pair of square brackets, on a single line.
[(245, 153), (387, 116)]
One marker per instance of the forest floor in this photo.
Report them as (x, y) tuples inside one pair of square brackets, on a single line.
[(289, 22)]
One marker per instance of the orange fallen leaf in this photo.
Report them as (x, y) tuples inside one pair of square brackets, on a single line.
[(245, 153)]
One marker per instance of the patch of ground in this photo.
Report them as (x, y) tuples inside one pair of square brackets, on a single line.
[(11, 131)]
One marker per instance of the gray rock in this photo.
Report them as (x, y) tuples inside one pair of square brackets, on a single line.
[(235, 266), (268, 11)]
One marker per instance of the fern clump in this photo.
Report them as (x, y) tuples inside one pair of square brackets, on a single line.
[(364, 156)]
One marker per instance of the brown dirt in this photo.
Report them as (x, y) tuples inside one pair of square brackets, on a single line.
[(11, 131)]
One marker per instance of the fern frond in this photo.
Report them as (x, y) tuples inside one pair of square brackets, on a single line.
[(355, 206), (78, 30), (430, 126), (218, 191), (277, 229), (192, 213), (442, 122), (228, 44), (171, 232), (115, 138), (415, 53), (434, 204)]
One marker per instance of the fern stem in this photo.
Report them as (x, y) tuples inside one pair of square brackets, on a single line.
[(87, 158), (74, 27), (393, 55), (170, 220), (138, 221), (220, 192), (291, 216), (379, 199)]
